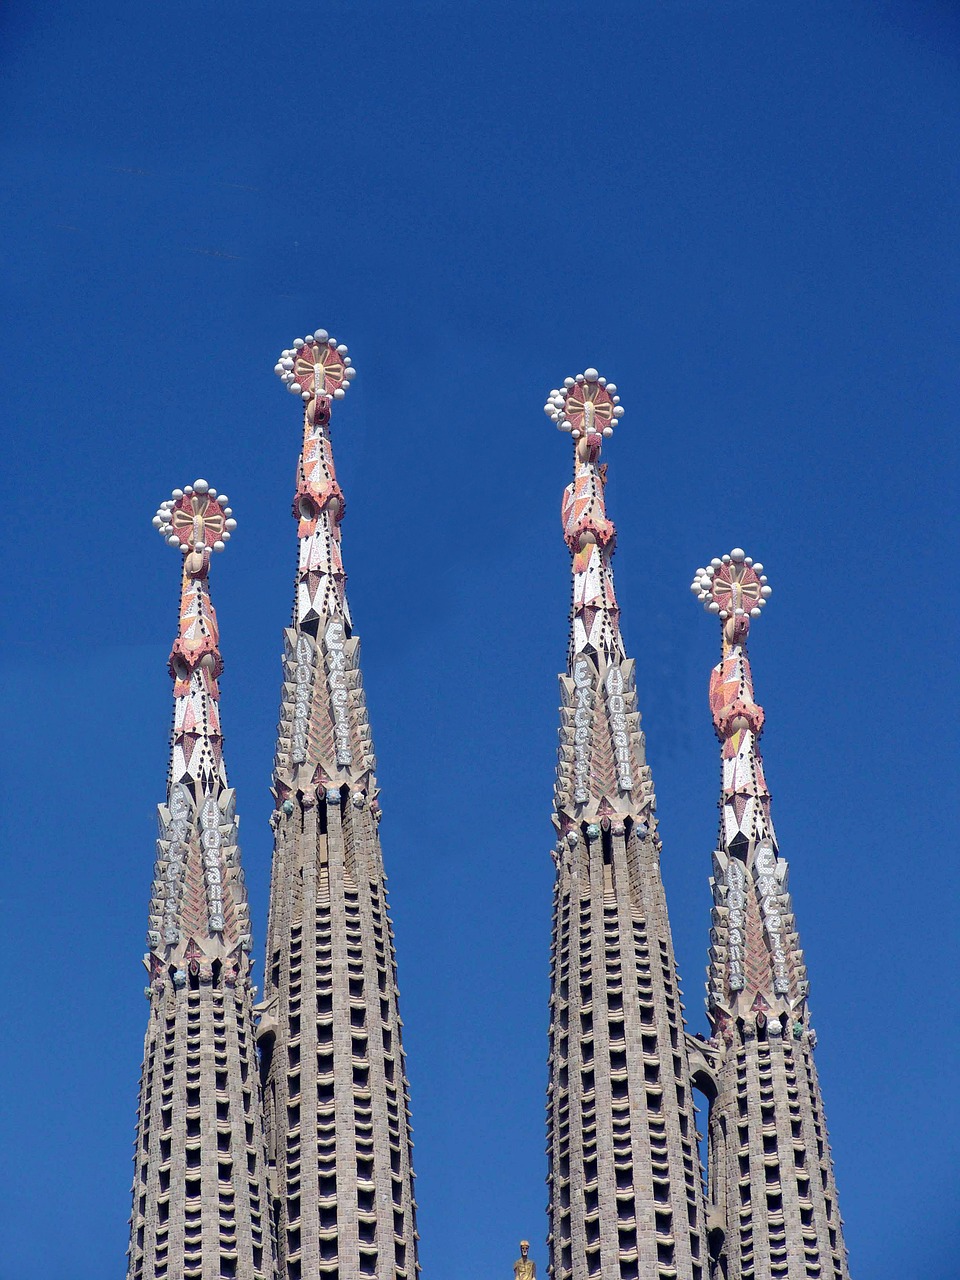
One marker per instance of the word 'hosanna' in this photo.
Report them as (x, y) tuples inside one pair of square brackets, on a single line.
[(273, 1138)]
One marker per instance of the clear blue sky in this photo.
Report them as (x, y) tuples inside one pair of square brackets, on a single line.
[(745, 214)]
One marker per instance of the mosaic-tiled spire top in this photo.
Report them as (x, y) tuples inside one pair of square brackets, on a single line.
[(756, 963), (199, 901), (602, 770), (325, 735), (588, 407), (735, 590), (318, 370), (196, 521)]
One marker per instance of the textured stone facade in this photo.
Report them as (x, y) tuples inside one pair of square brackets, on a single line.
[(625, 1184), (336, 1094)]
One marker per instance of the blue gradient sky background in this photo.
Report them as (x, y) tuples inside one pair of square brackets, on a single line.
[(745, 214)]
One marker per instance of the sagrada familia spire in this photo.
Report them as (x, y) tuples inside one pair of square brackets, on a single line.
[(625, 1187), (200, 1205), (335, 1088), (295, 1162), (772, 1189)]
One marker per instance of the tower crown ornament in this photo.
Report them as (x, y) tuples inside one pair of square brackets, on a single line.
[(586, 406), (735, 588), (196, 520), (316, 366), (319, 370)]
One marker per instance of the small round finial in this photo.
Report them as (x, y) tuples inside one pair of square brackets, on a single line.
[(732, 586), (585, 405), (316, 365), (194, 521)]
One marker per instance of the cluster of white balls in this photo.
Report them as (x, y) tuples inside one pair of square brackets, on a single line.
[(556, 406), (163, 525), (284, 366), (702, 584)]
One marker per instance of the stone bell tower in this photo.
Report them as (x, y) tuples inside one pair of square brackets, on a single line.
[(200, 1204), (336, 1094), (773, 1198), (625, 1186)]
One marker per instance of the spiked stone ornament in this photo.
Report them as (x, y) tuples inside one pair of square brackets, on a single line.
[(200, 1204), (333, 1066), (768, 1094), (625, 1200)]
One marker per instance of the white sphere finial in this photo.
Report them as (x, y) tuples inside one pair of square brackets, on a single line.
[(586, 404), (732, 586), (317, 365), (194, 519)]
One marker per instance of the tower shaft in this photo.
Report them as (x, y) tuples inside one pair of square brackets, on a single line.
[(773, 1196), (200, 1205), (625, 1187), (336, 1095)]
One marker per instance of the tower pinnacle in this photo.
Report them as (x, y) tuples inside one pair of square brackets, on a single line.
[(601, 769), (337, 1103), (203, 906), (625, 1193), (587, 408), (772, 1190), (200, 1206), (337, 750), (763, 963)]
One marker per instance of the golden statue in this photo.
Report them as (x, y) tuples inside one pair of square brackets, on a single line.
[(525, 1268)]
